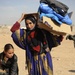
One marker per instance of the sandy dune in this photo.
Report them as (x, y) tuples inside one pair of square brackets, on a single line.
[(63, 56)]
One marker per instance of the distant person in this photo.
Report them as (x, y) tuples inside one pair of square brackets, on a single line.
[(71, 37), (8, 61)]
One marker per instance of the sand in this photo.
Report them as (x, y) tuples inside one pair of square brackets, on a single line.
[(63, 56)]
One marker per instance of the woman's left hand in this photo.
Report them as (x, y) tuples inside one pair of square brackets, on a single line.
[(47, 49)]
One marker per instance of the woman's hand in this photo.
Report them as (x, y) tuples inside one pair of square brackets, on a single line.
[(47, 49), (22, 18)]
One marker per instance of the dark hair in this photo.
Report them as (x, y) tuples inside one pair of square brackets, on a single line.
[(32, 18), (8, 46)]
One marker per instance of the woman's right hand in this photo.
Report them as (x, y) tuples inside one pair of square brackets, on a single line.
[(22, 18)]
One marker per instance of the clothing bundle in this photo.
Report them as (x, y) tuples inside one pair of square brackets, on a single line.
[(55, 10)]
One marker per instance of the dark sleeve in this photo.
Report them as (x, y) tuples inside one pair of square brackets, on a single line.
[(42, 37), (53, 40), (14, 67), (44, 40)]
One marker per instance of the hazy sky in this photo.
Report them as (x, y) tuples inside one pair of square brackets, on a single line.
[(11, 10)]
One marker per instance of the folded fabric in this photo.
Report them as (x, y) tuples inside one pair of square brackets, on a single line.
[(57, 6), (45, 10)]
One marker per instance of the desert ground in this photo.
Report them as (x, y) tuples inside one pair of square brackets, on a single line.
[(63, 56)]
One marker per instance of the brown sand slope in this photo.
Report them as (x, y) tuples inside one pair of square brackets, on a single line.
[(63, 56)]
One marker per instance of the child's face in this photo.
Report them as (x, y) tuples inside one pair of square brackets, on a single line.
[(9, 53)]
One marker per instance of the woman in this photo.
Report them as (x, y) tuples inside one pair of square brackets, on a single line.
[(8, 61), (34, 41)]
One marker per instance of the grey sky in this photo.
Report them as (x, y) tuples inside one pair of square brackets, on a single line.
[(11, 10)]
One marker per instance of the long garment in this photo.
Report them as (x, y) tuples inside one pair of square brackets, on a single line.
[(39, 61), (10, 67)]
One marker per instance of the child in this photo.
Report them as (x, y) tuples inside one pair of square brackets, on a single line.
[(8, 61)]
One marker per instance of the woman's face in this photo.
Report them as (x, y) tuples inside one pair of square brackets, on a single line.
[(29, 24), (9, 53)]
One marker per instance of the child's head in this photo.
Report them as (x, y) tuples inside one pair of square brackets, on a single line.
[(8, 50)]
